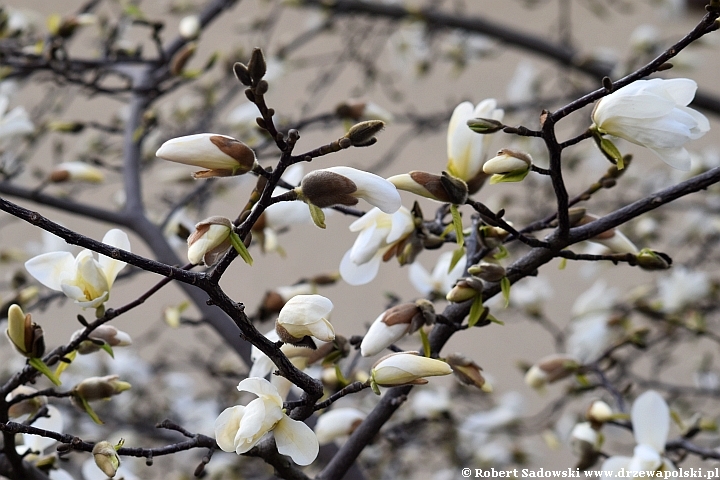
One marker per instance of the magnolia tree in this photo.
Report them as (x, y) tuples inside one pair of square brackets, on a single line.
[(332, 398)]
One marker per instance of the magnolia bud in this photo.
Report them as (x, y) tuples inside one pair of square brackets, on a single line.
[(585, 444), (490, 272), (99, 388), (106, 458), (210, 240), (550, 369), (466, 370), (650, 260), (406, 368), (599, 412), (465, 289), (104, 333), (443, 188), (485, 125), (508, 161), (242, 73), (391, 326), (221, 155), (24, 334), (76, 171), (337, 423), (257, 66), (363, 133)]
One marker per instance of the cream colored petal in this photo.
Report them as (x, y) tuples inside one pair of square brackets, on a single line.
[(297, 440), (52, 268), (651, 420), (227, 426), (119, 239), (262, 388)]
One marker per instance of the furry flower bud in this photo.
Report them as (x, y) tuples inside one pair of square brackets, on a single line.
[(221, 155)]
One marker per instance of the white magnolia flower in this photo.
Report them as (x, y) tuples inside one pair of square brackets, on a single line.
[(683, 287), (523, 86), (210, 240), (76, 171), (466, 149), (221, 155), (344, 185), (654, 114), (379, 233), (304, 315), (389, 327), (407, 368), (15, 122), (430, 403), (651, 424), (82, 278), (240, 428), (337, 423), (530, 294), (440, 281), (597, 299)]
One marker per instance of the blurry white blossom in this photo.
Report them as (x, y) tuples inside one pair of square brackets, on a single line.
[(440, 281)]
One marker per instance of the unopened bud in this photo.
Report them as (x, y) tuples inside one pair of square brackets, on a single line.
[(99, 388), (650, 260), (599, 412), (104, 333), (324, 189), (106, 458), (490, 272), (443, 188), (25, 407), (508, 166), (466, 370), (24, 334), (76, 171), (550, 369), (257, 66), (363, 133), (210, 240), (465, 289), (221, 155), (65, 127), (485, 125), (585, 441), (242, 73)]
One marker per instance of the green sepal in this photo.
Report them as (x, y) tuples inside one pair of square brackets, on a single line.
[(505, 287), (317, 215), (240, 248), (425, 343), (612, 152), (375, 388), (62, 366), (495, 320), (563, 264), (447, 230), (88, 409), (502, 253), (456, 256), (40, 366), (516, 176), (476, 311), (452, 170), (108, 349), (457, 225), (340, 377)]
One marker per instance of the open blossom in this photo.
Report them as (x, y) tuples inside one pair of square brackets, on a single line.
[(15, 122), (220, 155), (82, 278), (345, 185), (654, 114), (466, 149), (380, 234), (304, 315), (651, 424), (240, 428), (682, 287)]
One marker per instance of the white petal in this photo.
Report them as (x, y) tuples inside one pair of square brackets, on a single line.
[(373, 188), (322, 330), (402, 224), (367, 244), (651, 420), (262, 366), (227, 426), (260, 387), (305, 309), (420, 278), (380, 336), (52, 268), (297, 440), (355, 274), (111, 267), (645, 459), (677, 157)]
